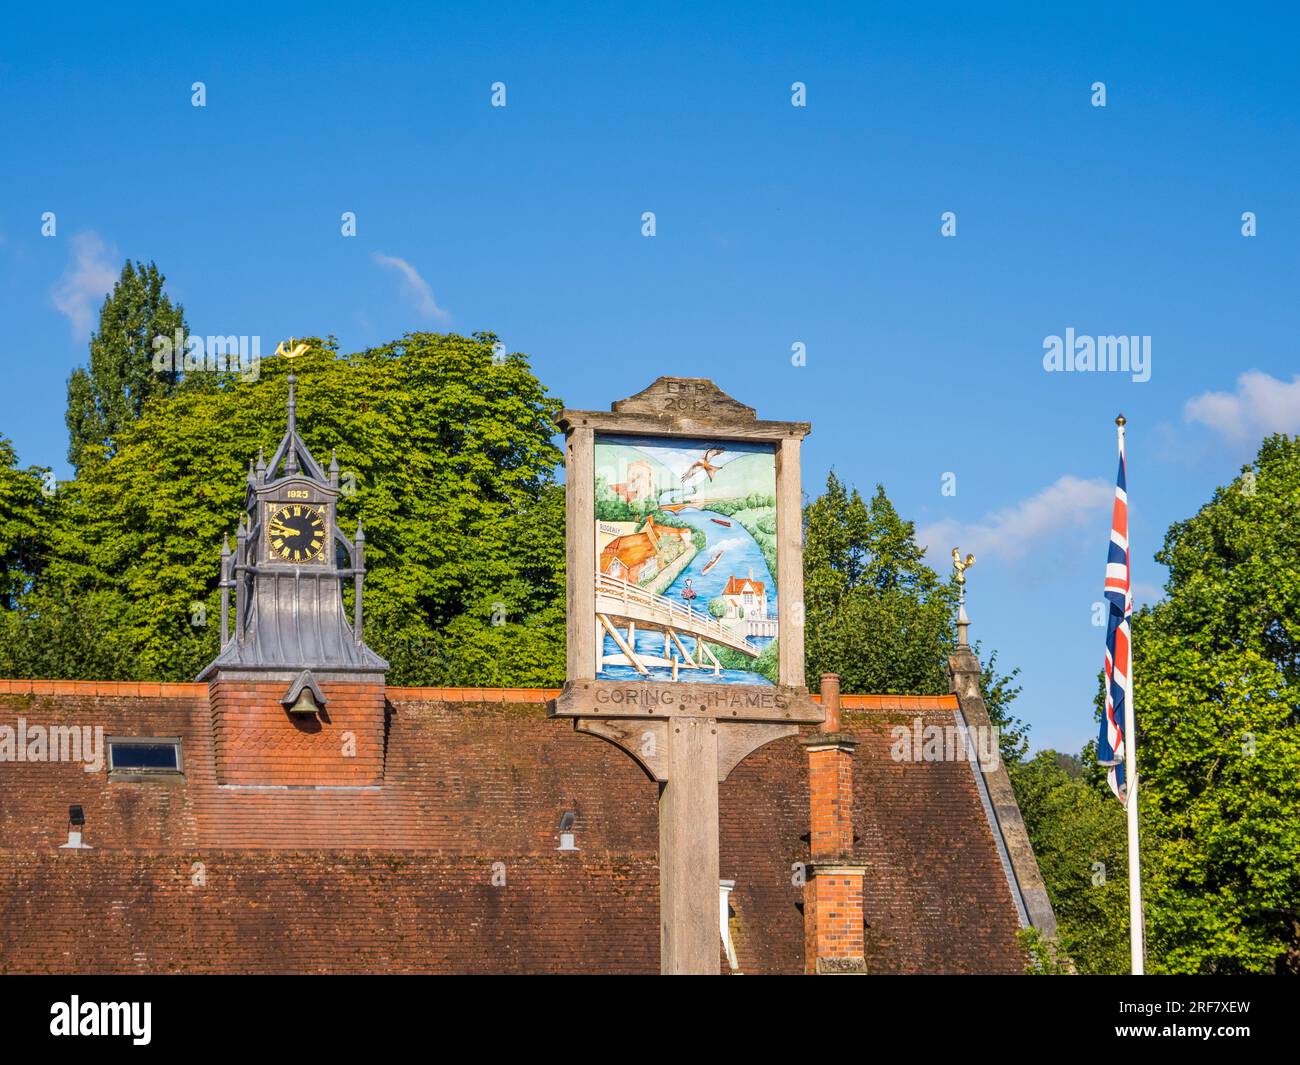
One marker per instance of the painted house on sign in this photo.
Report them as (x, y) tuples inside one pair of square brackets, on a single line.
[(637, 557), (745, 598), (630, 558)]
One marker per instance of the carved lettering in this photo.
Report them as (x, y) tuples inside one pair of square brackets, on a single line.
[(686, 397)]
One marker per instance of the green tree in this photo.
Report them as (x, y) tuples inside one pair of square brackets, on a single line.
[(106, 397), (875, 612), (1217, 696), (1078, 838), (452, 458), (24, 524), (44, 632), (57, 634), (877, 615), (999, 691)]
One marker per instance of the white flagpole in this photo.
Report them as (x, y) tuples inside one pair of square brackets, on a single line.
[(1135, 922), (1136, 932)]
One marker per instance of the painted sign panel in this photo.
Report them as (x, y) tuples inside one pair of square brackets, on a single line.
[(686, 581)]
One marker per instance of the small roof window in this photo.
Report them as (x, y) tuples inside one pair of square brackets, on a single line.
[(144, 755)]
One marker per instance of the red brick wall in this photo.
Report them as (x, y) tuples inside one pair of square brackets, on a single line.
[(34, 797), (242, 912), (462, 778), (763, 814), (810, 927), (935, 897), (257, 741), (466, 784)]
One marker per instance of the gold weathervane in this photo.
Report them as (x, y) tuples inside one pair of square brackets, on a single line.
[(297, 349), (961, 567)]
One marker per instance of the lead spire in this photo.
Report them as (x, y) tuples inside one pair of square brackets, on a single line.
[(291, 459)]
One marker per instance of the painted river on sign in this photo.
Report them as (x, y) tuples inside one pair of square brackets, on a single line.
[(741, 556)]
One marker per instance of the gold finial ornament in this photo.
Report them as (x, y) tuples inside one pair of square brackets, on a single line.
[(960, 566), (1121, 421), (292, 351)]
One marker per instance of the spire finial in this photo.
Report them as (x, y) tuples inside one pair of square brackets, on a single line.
[(1121, 421), (960, 566), (290, 350)]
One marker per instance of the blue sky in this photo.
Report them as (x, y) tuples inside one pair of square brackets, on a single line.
[(775, 225)]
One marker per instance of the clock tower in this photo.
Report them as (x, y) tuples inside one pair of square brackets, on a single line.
[(297, 697)]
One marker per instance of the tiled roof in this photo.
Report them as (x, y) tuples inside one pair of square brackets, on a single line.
[(451, 864), (631, 549)]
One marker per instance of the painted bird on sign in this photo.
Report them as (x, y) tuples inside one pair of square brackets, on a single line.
[(704, 464)]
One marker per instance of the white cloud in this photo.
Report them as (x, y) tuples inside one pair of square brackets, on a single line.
[(414, 287), (89, 276), (1010, 533), (1261, 405)]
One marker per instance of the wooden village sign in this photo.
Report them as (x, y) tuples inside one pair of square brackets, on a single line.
[(685, 614)]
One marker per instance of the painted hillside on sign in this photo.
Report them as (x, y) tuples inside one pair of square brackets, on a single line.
[(685, 560)]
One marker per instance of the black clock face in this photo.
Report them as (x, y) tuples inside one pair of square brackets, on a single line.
[(297, 533)]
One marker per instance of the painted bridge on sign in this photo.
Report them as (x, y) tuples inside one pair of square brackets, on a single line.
[(620, 604)]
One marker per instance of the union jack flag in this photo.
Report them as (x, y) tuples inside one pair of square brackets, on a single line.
[(1119, 651)]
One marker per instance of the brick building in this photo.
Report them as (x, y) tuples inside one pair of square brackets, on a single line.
[(289, 812)]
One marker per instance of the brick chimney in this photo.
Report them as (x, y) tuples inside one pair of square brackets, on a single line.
[(832, 895)]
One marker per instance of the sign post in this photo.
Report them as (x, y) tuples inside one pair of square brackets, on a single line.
[(685, 614)]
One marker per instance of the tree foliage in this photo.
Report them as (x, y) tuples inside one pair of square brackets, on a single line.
[(881, 618), (24, 524), (1217, 700), (1217, 696), (108, 395), (1078, 838), (999, 691), (875, 613), (452, 457)]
